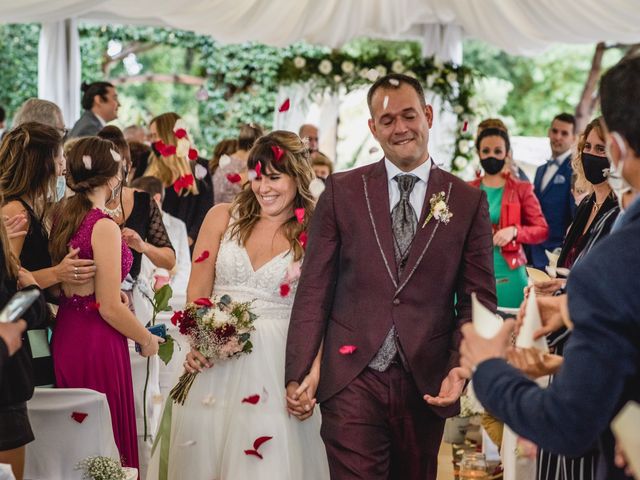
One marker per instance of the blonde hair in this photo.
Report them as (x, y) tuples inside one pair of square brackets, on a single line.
[(168, 169), (320, 159), (581, 182), (245, 209)]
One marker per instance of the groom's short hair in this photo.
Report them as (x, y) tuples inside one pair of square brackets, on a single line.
[(394, 81)]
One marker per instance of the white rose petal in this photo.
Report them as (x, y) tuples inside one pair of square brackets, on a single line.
[(182, 147), (347, 66), (397, 66), (188, 443), (316, 187), (385, 102), (325, 67), (252, 175), (299, 62), (225, 161), (208, 400), (394, 81), (116, 156), (200, 171), (86, 160)]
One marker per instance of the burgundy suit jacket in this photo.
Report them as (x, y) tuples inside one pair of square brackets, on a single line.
[(350, 294)]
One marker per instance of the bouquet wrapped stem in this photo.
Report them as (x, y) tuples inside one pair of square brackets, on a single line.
[(179, 393)]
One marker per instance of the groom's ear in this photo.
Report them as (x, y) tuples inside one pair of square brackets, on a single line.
[(372, 127)]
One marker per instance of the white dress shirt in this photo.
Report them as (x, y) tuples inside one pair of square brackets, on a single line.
[(552, 169), (419, 189)]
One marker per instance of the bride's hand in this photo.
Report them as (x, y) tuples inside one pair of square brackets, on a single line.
[(195, 362), (301, 399)]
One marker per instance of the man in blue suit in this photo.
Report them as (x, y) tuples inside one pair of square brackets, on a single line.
[(601, 370), (100, 103), (552, 186)]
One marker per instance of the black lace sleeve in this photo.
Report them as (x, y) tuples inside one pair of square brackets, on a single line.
[(157, 234)]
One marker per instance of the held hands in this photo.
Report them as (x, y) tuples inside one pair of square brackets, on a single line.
[(152, 346), (504, 236), (11, 334), (74, 271), (301, 399), (450, 389), (475, 349), (15, 225), (133, 240), (195, 362)]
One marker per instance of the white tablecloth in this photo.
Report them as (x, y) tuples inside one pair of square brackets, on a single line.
[(61, 442)]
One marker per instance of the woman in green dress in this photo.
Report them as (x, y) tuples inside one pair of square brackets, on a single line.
[(515, 214)]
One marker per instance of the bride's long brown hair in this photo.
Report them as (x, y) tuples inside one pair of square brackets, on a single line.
[(294, 162)]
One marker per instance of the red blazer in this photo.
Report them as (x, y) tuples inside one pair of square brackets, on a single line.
[(350, 294), (520, 208)]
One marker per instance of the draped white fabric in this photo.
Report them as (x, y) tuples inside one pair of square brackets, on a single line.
[(522, 26), (59, 67)]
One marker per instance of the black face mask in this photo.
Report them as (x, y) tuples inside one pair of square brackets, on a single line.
[(491, 165), (594, 166)]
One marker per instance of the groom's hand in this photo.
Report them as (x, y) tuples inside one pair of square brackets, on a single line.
[(450, 389), (299, 403)]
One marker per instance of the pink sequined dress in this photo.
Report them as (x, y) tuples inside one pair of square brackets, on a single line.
[(90, 353)]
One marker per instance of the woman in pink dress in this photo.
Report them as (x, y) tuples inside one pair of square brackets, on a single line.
[(89, 345)]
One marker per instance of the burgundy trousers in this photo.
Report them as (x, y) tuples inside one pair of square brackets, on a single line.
[(380, 428)]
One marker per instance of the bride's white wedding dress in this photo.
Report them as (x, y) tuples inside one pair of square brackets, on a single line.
[(214, 427)]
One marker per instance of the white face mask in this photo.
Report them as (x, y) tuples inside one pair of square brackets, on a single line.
[(616, 181)]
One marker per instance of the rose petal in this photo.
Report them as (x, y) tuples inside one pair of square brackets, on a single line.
[(277, 152), (200, 171), (254, 453), (299, 214), (176, 317), (234, 177), (169, 150), (86, 160), (347, 349), (252, 399), (252, 175), (203, 256), (208, 400), (188, 443), (115, 155), (180, 133), (79, 416), (203, 302), (385, 102), (285, 106), (258, 170), (302, 238), (225, 161), (260, 441), (465, 126), (316, 187), (394, 81), (284, 289), (193, 155)]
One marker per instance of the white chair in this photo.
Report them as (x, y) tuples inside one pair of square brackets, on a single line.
[(62, 442)]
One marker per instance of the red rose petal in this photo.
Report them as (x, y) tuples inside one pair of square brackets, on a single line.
[(203, 302), (258, 170), (284, 289), (299, 214), (160, 147), (79, 416), (233, 177), (252, 399), (180, 133), (465, 126), (94, 306), (347, 349), (260, 441), (169, 150), (302, 238), (285, 106), (253, 452), (203, 256), (193, 154), (277, 151), (176, 317)]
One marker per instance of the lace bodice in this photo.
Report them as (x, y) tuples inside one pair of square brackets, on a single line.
[(235, 276)]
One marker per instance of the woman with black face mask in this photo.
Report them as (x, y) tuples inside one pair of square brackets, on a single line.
[(515, 214), (598, 210)]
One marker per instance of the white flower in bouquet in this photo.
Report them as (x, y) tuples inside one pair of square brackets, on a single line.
[(452, 77), (222, 317), (397, 66), (458, 109), (347, 67), (299, 62), (411, 73), (325, 67), (460, 162), (382, 70), (463, 146), (337, 78), (101, 468)]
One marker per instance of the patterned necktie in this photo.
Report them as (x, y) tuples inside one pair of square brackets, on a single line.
[(404, 222)]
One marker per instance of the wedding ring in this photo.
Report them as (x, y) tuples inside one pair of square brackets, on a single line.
[(75, 276), (75, 270)]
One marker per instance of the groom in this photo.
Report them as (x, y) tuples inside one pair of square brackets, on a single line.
[(386, 284)]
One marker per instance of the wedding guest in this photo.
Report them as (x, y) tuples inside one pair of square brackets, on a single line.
[(515, 170), (225, 147), (100, 103), (188, 195), (89, 343), (601, 368), (140, 153), (229, 179), (309, 134), (31, 166), (40, 111), (322, 165), (552, 186), (253, 246), (515, 214), (135, 133), (16, 369)]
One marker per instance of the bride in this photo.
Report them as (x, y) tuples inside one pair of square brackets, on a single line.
[(254, 252)]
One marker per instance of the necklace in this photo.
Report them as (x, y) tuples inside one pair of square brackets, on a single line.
[(115, 213), (596, 205)]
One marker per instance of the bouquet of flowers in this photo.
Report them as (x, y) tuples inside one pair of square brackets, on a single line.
[(218, 328), (101, 468)]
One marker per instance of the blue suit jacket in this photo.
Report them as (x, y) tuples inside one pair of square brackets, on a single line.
[(87, 125), (557, 205), (601, 370)]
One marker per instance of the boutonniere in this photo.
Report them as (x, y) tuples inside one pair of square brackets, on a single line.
[(439, 209)]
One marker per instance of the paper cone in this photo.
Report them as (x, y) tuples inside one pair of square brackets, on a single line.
[(486, 323), (553, 258), (625, 428), (537, 275), (530, 324)]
